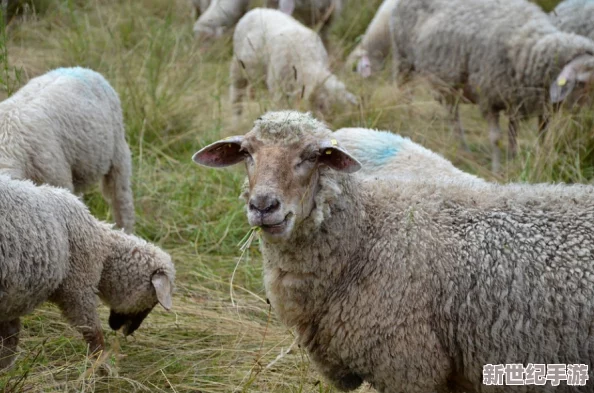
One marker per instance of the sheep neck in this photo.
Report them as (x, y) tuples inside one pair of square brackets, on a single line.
[(113, 273), (301, 273)]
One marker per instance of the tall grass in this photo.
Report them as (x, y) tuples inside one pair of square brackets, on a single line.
[(175, 99)]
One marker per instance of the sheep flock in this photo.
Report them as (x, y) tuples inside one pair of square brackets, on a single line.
[(297, 196)]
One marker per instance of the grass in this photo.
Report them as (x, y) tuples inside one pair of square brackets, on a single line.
[(175, 100)]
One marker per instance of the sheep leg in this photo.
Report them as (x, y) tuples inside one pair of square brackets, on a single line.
[(495, 138), (79, 307), (9, 339), (457, 124), (513, 137), (238, 87), (117, 190)]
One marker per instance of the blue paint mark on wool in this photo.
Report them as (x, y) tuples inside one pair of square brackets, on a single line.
[(74, 72), (381, 147), (86, 75)]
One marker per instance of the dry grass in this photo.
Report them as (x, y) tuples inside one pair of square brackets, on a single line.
[(175, 99)]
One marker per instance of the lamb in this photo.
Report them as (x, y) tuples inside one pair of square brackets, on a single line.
[(575, 16), (271, 46), (53, 249), (504, 58), (384, 154), (413, 285), (65, 128), (375, 45), (311, 13), (199, 6), (220, 16)]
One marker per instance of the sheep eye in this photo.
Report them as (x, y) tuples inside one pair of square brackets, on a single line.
[(310, 159), (247, 156)]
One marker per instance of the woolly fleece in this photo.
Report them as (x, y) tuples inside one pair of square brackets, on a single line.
[(272, 47), (65, 128), (413, 286), (53, 249)]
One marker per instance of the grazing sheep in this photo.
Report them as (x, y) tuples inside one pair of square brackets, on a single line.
[(504, 58), (65, 128), (413, 286), (220, 16), (575, 16), (271, 46), (311, 13), (199, 6), (384, 154), (53, 249), (375, 46)]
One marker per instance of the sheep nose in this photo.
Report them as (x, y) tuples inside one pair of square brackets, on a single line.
[(264, 204)]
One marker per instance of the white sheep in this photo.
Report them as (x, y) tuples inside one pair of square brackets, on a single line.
[(384, 154), (375, 46), (575, 16), (53, 249), (504, 57), (270, 46), (220, 16), (313, 13), (65, 128), (414, 285)]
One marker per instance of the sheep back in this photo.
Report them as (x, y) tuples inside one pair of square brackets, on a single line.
[(275, 47), (575, 16), (505, 55), (35, 242), (64, 128)]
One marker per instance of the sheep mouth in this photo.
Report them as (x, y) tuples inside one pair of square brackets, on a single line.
[(127, 322), (278, 228)]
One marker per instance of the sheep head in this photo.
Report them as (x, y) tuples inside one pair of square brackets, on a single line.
[(137, 276), (575, 82), (284, 154), (330, 93)]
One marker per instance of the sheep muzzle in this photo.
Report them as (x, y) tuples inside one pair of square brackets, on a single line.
[(128, 322)]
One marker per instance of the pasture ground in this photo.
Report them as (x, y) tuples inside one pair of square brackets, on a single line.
[(220, 337)]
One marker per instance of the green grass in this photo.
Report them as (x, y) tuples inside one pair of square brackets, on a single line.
[(175, 100)]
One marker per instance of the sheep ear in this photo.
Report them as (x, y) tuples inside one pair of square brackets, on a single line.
[(563, 84), (337, 158), (221, 153), (364, 66), (162, 286), (287, 6)]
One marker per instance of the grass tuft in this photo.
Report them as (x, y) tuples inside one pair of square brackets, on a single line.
[(174, 95)]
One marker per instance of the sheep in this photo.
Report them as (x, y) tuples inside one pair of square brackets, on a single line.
[(504, 58), (65, 128), (375, 45), (383, 153), (271, 46), (311, 13), (199, 7), (413, 285), (54, 250), (220, 16), (575, 16)]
